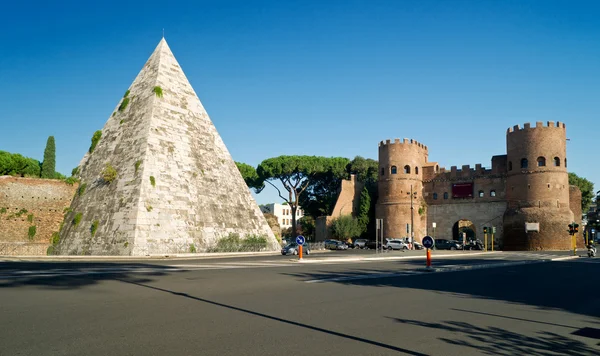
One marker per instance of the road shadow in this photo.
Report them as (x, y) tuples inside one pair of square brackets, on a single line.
[(498, 341), (68, 275), (548, 286)]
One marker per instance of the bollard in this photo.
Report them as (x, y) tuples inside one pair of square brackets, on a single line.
[(428, 258), (574, 244), (300, 252)]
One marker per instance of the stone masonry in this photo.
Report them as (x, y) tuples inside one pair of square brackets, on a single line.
[(177, 188), (26, 202)]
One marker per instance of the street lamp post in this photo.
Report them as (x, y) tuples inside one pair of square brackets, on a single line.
[(412, 219)]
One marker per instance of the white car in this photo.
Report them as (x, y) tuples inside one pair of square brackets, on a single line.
[(395, 244)]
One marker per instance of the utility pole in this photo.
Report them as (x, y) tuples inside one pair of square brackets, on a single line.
[(412, 220)]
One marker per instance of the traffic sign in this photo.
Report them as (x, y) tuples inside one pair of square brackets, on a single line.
[(428, 242), (300, 240)]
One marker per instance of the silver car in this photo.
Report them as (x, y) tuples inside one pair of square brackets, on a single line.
[(292, 249), (395, 245)]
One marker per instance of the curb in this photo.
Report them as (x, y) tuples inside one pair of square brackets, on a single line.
[(391, 258), (494, 265)]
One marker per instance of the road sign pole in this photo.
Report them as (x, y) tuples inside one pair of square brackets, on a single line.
[(492, 242), (574, 244), (485, 241)]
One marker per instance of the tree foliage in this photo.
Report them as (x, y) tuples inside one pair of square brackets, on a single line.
[(307, 227), (365, 169), (364, 207), (296, 174), (15, 164), (49, 163), (95, 139), (250, 176), (346, 227), (587, 190)]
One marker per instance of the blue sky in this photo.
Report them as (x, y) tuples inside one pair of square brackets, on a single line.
[(328, 78)]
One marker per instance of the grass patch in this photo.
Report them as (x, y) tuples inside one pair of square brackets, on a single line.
[(158, 91), (121, 122), (109, 173), (81, 189), (137, 165), (126, 244), (94, 227), (152, 181), (21, 212), (149, 208), (126, 93), (31, 233), (124, 104), (2, 210), (71, 180), (95, 139), (55, 238), (50, 251), (30, 218), (233, 243), (77, 219), (192, 248)]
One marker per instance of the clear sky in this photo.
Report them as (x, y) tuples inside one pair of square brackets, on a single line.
[(329, 78)]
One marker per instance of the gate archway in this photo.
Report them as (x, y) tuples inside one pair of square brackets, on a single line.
[(464, 225)]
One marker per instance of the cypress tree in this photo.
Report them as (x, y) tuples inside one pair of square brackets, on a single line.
[(363, 208), (49, 164)]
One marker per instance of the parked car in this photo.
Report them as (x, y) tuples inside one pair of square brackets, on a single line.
[(395, 244), (292, 249), (330, 244), (443, 244), (372, 245), (474, 245), (360, 243), (340, 245), (417, 245)]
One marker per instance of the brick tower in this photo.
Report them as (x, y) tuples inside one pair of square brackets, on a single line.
[(176, 188), (537, 187), (400, 167)]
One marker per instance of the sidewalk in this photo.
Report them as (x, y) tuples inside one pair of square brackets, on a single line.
[(414, 255)]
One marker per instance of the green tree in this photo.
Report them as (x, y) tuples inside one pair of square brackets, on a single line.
[(346, 227), (365, 169), (296, 174), (587, 190), (364, 208), (49, 163), (307, 226), (16, 165), (250, 176)]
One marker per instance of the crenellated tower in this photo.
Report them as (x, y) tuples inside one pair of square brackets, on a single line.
[(537, 187), (400, 168)]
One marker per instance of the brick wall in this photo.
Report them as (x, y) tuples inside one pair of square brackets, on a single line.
[(23, 199)]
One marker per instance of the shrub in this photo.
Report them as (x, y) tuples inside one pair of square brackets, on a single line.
[(345, 227), (30, 218), (126, 93), (94, 227), (31, 232), (231, 243), (75, 171), (77, 218), (137, 165), (21, 212), (152, 181), (50, 251), (149, 208), (192, 248), (2, 210), (109, 173), (67, 210), (71, 180), (124, 104), (95, 139), (254, 243), (158, 91), (55, 238), (121, 122), (81, 189)]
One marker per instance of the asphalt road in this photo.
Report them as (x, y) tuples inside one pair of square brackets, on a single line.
[(273, 305)]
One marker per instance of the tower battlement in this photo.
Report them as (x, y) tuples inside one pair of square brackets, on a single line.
[(405, 141), (538, 125)]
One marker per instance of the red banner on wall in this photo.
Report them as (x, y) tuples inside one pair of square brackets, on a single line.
[(462, 190)]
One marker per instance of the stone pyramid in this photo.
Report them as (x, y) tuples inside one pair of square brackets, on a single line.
[(176, 190)]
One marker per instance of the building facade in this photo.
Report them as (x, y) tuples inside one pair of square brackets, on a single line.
[(529, 184), (282, 212)]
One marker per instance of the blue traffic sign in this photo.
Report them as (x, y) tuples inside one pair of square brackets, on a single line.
[(300, 240), (428, 242)]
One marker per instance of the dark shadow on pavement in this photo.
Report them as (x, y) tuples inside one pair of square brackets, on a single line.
[(498, 341), (290, 322), (75, 275), (548, 286)]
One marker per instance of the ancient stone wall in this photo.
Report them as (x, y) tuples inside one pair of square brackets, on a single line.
[(348, 200), (26, 202), (480, 213)]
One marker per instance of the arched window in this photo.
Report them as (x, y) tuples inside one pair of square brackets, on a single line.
[(407, 169), (437, 168), (510, 165), (416, 170), (382, 171), (481, 194), (556, 162), (492, 193), (541, 161), (565, 163), (434, 196), (524, 163), (445, 195), (394, 170)]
